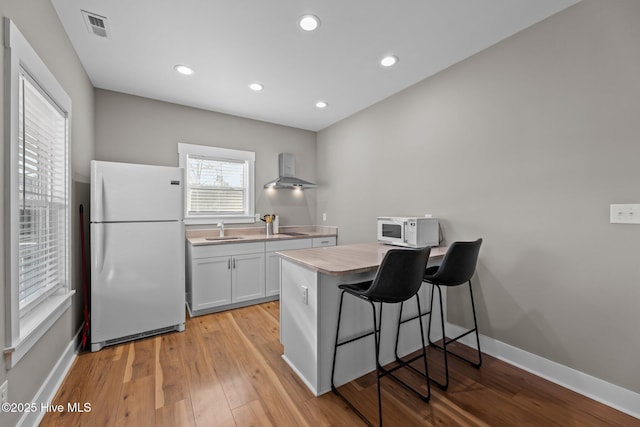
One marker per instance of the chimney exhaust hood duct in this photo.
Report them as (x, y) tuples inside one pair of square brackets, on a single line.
[(287, 170)]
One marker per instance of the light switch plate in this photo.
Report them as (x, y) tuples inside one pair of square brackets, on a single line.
[(625, 213)]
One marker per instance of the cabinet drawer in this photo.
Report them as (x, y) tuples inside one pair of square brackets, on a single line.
[(319, 242), (226, 249), (287, 245)]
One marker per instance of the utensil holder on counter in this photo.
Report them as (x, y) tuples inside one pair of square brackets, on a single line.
[(269, 229)]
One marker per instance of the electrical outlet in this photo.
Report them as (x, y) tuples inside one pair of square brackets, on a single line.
[(305, 295), (625, 213), (4, 392), (324, 216)]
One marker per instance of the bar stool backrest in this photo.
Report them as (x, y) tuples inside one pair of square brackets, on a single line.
[(458, 265), (399, 276)]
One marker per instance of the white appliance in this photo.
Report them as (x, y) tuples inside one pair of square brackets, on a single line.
[(413, 232), (137, 252)]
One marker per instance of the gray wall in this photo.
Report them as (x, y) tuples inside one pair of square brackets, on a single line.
[(38, 22), (525, 144), (140, 130)]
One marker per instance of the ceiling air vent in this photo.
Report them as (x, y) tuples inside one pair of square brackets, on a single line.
[(96, 24)]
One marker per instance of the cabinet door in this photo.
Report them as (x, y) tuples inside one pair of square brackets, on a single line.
[(273, 274), (210, 282), (248, 274)]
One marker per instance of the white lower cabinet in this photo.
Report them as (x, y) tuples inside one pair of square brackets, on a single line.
[(247, 277), (235, 274), (210, 283), (224, 275), (226, 280)]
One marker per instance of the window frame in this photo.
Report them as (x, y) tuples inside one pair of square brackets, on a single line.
[(25, 328), (219, 153)]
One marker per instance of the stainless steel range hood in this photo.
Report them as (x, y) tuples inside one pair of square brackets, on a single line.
[(287, 170)]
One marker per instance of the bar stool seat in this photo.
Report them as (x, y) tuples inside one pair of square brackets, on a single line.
[(398, 279)]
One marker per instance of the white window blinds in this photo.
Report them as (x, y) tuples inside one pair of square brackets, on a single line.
[(43, 198), (216, 186), (220, 184)]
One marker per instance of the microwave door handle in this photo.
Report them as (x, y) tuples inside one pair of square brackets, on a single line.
[(404, 232)]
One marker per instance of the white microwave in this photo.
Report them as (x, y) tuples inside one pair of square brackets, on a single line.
[(410, 232)]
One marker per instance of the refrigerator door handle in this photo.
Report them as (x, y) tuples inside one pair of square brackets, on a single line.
[(97, 186), (98, 256)]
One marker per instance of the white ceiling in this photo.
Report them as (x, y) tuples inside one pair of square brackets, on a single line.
[(231, 43)]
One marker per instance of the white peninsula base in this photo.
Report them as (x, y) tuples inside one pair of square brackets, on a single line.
[(309, 311)]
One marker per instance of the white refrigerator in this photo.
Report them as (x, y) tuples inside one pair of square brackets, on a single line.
[(137, 252)]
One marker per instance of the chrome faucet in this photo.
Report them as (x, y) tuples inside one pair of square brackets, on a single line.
[(221, 226)]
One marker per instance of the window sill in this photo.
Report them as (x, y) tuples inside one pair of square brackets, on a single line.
[(36, 323)]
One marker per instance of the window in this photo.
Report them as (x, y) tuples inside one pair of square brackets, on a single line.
[(37, 196), (216, 187), (42, 195), (220, 184)]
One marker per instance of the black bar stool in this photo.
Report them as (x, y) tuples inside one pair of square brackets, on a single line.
[(398, 279), (457, 267)]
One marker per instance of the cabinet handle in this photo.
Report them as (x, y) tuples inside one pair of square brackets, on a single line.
[(229, 264), (234, 263)]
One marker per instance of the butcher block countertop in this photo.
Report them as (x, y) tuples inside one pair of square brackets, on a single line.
[(346, 259), (257, 234)]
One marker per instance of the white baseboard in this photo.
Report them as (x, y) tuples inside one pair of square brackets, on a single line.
[(594, 388), (50, 386), (302, 377)]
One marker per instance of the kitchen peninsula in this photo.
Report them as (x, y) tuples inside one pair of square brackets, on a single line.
[(309, 311)]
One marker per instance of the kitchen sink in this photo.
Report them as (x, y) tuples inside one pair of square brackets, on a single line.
[(223, 238)]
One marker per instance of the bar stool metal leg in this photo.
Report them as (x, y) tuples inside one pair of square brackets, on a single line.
[(423, 354), (335, 346), (444, 385), (333, 367), (446, 341), (475, 328), (376, 337), (380, 370)]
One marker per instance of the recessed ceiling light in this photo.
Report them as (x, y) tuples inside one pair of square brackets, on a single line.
[(256, 87), (309, 22), (389, 61), (321, 104), (183, 69)]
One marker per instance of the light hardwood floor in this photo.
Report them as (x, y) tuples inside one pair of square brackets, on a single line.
[(226, 370)]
